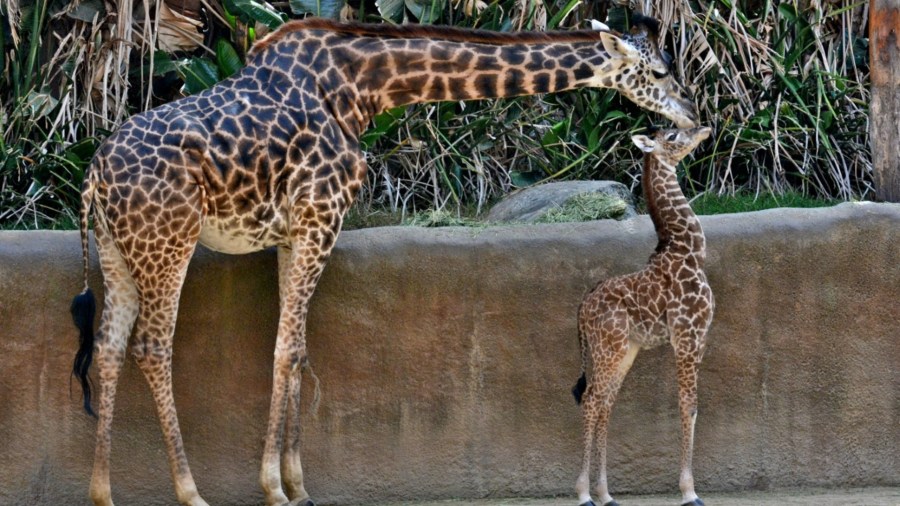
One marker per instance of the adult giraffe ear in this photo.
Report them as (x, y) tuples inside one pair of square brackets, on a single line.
[(600, 27), (646, 144), (617, 47)]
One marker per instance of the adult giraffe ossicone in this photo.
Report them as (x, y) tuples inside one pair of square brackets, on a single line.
[(668, 301), (271, 157)]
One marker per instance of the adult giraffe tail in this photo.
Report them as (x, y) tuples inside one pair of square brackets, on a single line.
[(84, 305)]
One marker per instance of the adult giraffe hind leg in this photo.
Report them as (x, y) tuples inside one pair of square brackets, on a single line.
[(156, 240), (119, 314)]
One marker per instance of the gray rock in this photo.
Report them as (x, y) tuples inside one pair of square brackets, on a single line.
[(532, 203)]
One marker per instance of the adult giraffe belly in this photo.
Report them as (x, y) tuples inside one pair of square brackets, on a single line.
[(228, 236)]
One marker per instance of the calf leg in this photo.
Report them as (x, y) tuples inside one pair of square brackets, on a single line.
[(611, 356), (688, 353)]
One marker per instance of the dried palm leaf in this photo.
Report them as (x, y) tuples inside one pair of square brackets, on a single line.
[(348, 13), (179, 29), (470, 7), (529, 14)]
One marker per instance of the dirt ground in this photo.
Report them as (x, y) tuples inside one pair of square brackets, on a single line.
[(804, 497)]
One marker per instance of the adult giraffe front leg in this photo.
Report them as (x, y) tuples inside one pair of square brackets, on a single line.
[(159, 290), (300, 267)]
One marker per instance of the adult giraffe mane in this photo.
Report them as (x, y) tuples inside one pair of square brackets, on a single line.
[(415, 31)]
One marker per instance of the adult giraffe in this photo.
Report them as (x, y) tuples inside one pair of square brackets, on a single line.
[(271, 157)]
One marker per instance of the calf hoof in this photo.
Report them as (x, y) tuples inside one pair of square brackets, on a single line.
[(695, 502), (611, 503), (302, 502), (589, 503)]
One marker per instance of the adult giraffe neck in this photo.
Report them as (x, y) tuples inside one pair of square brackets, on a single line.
[(375, 67)]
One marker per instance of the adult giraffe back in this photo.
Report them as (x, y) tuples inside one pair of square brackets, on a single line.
[(271, 157)]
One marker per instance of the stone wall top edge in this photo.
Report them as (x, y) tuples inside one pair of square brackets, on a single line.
[(786, 218)]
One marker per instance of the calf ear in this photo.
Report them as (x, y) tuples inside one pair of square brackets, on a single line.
[(618, 47), (646, 144)]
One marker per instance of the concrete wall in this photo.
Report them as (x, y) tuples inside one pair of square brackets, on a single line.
[(446, 357)]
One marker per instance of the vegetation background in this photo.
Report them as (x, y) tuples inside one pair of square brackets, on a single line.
[(784, 84)]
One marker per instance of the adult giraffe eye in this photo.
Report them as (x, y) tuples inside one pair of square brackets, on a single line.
[(659, 74), (671, 137)]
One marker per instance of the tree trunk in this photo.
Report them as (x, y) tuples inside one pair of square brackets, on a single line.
[(884, 116)]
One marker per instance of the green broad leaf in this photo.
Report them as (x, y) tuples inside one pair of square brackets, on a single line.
[(827, 120), (614, 115), (555, 134), (788, 12), (753, 135), (255, 11), (762, 119), (426, 11), (550, 138), (559, 16), (391, 9), (593, 138), (227, 58), (793, 84), (198, 74), (68, 68), (230, 18), (39, 105), (617, 18), (383, 124), (322, 8), (513, 114), (484, 146), (87, 11), (162, 63), (83, 149)]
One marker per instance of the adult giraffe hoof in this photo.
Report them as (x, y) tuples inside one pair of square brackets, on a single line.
[(302, 502), (695, 502), (611, 503), (589, 503)]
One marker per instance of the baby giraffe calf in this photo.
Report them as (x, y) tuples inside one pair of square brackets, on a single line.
[(668, 301)]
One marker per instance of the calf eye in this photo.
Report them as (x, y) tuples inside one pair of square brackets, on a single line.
[(659, 74), (671, 137)]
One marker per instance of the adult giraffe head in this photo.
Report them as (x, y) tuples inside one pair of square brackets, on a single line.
[(642, 71)]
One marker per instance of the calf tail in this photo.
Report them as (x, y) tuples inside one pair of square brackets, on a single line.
[(579, 388), (581, 385)]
